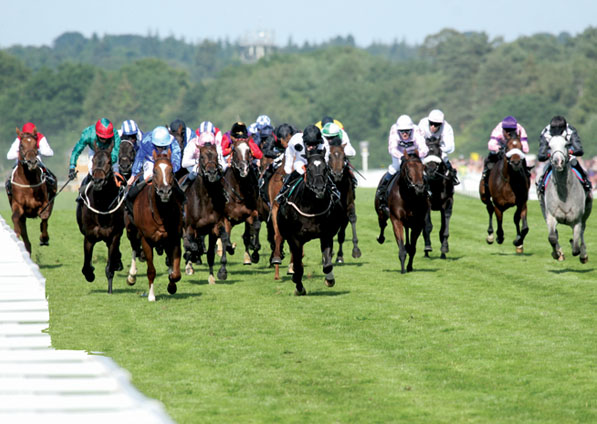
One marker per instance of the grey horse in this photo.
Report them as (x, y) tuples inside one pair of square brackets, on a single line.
[(565, 202)]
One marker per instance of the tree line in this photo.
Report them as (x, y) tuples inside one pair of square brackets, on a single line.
[(475, 80)]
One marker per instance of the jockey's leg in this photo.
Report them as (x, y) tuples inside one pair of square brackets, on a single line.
[(288, 181), (488, 164), (134, 190), (382, 193), (451, 171), (264, 181), (586, 182), (51, 180), (179, 193), (541, 181)]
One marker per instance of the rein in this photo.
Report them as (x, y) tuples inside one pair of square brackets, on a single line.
[(120, 197), (310, 215), (13, 182)]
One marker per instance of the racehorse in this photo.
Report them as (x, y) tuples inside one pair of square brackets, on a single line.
[(30, 191), (441, 186), (157, 215), (409, 205), (241, 186), (311, 212), (204, 213), (342, 177), (126, 157), (179, 135), (565, 202), (508, 186), (100, 214)]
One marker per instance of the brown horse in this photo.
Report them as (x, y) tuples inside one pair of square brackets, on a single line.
[(100, 214), (30, 191), (157, 215), (409, 205), (342, 177), (126, 157), (508, 186), (241, 186), (204, 213)]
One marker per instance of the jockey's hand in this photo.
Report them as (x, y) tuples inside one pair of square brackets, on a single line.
[(72, 173), (130, 180), (570, 151)]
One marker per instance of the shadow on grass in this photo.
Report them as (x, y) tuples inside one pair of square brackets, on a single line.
[(513, 253), (415, 269), (566, 270), (202, 281), (41, 266), (327, 293), (447, 259), (336, 264)]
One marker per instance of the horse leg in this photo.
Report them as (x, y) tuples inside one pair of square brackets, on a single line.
[(499, 216), (382, 221), (191, 249), (584, 258), (341, 238), (296, 249), (255, 244), (222, 272), (44, 238), (575, 241), (113, 246), (20, 225), (412, 246), (150, 268), (327, 244), (173, 253), (399, 234), (556, 253), (211, 254), (247, 243), (228, 245), (352, 218), (445, 227), (427, 233), (87, 267), (490, 210), (277, 253), (132, 277)]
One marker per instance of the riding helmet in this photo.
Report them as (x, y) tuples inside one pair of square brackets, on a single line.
[(104, 128)]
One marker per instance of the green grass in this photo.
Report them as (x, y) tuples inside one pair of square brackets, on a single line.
[(484, 336)]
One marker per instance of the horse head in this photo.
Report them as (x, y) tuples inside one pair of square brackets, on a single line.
[(317, 174), (28, 149), (559, 152), (101, 168), (433, 161), (126, 156), (337, 163), (241, 157), (179, 135), (163, 176), (514, 153), (412, 172), (208, 163)]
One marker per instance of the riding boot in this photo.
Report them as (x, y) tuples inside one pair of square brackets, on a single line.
[(288, 181), (586, 183), (82, 188), (452, 172), (382, 193), (333, 189), (264, 182), (133, 192), (179, 193), (51, 181), (8, 187), (487, 167), (188, 180), (541, 181)]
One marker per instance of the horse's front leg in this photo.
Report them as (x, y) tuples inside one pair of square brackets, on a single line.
[(296, 250), (174, 252), (277, 253), (255, 244), (225, 238), (341, 238), (44, 238), (399, 235), (412, 245), (490, 209), (113, 246), (499, 215), (520, 214), (20, 225), (326, 244), (445, 227), (427, 233), (557, 252), (88, 256), (211, 254), (352, 218), (576, 236), (148, 250)]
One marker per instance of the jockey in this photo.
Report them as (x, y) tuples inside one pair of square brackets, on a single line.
[(497, 142), (190, 157), (327, 119), (159, 140), (333, 135), (130, 131), (436, 128), (208, 126), (261, 130), (239, 132), (404, 136), (102, 134), (559, 126), (295, 158), (187, 133), (274, 148), (44, 149)]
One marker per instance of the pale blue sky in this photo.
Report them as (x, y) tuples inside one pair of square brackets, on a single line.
[(39, 22)]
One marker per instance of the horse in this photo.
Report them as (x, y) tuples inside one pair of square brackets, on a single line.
[(565, 202), (204, 213), (441, 187), (157, 215), (311, 212), (31, 193), (409, 205), (179, 136), (126, 157), (508, 186), (342, 177), (100, 214), (242, 190)]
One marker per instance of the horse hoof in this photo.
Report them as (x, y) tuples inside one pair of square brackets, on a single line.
[(89, 274), (246, 259), (490, 238), (381, 239), (211, 279), (443, 256), (300, 293), (500, 240), (427, 255), (330, 283), (290, 269), (356, 253), (339, 260), (428, 248), (172, 288), (44, 242), (519, 249), (131, 280), (584, 260), (188, 269), (255, 257), (276, 260), (561, 258), (222, 274)]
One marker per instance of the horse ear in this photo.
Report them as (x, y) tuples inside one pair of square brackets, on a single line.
[(19, 133), (35, 132)]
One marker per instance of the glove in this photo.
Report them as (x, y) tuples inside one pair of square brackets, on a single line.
[(72, 173)]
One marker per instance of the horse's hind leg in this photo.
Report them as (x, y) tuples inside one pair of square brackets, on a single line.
[(584, 258), (131, 279), (520, 214), (490, 209), (87, 267), (352, 218), (150, 268), (44, 238), (412, 246), (382, 222), (399, 234), (427, 233)]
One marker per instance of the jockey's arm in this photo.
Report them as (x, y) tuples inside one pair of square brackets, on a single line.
[(79, 147), (44, 148), (13, 152), (189, 156), (176, 156), (575, 142), (447, 142)]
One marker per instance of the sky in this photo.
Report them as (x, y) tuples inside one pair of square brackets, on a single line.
[(39, 22)]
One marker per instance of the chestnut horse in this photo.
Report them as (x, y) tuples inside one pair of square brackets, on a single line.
[(157, 215), (242, 189), (409, 205), (311, 212), (442, 197), (204, 214), (100, 214), (30, 191), (342, 177), (508, 186)]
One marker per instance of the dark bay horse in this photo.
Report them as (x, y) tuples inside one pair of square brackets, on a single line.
[(100, 214), (126, 157), (565, 202), (441, 186), (157, 215), (31, 192), (409, 205), (342, 177), (508, 186), (241, 186), (311, 212), (204, 213)]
